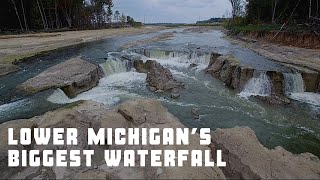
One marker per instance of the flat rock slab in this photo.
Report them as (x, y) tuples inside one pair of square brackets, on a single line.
[(89, 114), (247, 158), (73, 77)]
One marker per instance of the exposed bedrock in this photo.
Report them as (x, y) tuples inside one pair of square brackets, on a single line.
[(138, 113), (274, 99), (311, 81), (229, 70), (159, 78), (247, 158), (73, 77), (277, 80)]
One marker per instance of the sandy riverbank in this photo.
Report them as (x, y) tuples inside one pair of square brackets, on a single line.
[(17, 47), (289, 55)]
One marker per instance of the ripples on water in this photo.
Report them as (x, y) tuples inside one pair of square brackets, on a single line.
[(294, 127)]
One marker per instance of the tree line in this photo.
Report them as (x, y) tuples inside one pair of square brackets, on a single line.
[(277, 11), (27, 15)]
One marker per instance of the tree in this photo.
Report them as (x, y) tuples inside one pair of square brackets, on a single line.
[(274, 8), (17, 13), (24, 16), (123, 19), (130, 20), (42, 15), (116, 16), (109, 10), (236, 8)]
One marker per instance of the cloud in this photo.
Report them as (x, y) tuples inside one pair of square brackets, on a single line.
[(187, 11)]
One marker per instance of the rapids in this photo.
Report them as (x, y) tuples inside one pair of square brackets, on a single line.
[(295, 127)]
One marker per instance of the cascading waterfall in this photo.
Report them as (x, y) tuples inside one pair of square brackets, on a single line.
[(294, 88), (183, 58), (113, 66), (59, 97), (260, 85), (293, 83)]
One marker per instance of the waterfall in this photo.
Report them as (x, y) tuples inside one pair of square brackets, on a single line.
[(185, 58), (293, 83), (113, 66), (260, 85), (294, 88), (59, 97)]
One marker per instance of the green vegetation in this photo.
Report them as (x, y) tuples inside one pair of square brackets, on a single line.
[(274, 15), (51, 15)]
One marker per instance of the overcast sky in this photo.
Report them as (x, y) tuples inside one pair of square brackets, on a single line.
[(172, 11)]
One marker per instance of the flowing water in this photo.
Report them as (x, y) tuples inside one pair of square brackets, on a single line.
[(260, 85), (294, 87), (295, 127), (293, 83)]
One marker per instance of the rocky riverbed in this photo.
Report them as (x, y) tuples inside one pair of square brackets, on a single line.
[(158, 86), (245, 156)]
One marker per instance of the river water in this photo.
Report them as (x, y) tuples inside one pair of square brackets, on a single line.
[(295, 127)]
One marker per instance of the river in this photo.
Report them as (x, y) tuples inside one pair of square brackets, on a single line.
[(295, 127)]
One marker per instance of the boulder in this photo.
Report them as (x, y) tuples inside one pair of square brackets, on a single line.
[(213, 58), (175, 93), (8, 68), (157, 116), (228, 68), (6, 171), (73, 77), (240, 76), (215, 66), (246, 158), (274, 100), (138, 113), (140, 66), (195, 112), (277, 80), (160, 77)]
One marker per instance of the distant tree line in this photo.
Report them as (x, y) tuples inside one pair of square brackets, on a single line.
[(27, 15), (277, 11), (212, 20)]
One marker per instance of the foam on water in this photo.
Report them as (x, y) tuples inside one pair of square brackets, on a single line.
[(293, 83), (109, 91), (59, 97), (306, 97), (11, 106), (260, 85), (294, 88)]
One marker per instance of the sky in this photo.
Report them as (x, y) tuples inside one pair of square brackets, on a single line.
[(172, 11)]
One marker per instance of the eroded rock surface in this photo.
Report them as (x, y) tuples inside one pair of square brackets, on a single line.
[(73, 77), (159, 78), (139, 113), (247, 159), (228, 70), (274, 100)]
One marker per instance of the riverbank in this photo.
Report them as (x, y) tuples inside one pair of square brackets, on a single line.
[(16, 48), (288, 55)]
